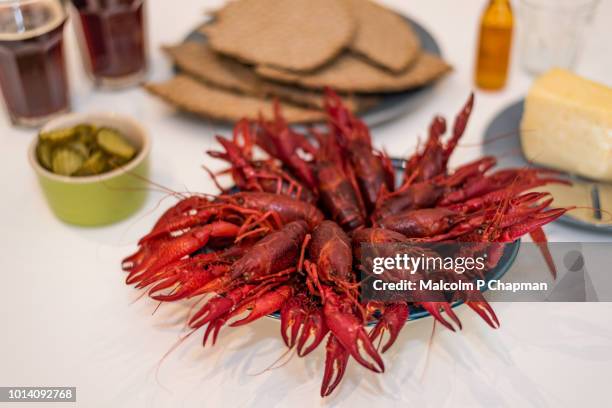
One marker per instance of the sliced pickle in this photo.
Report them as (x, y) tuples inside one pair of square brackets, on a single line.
[(79, 147), (83, 150), (113, 143), (43, 153), (86, 134), (57, 136), (66, 161), (95, 164), (116, 161)]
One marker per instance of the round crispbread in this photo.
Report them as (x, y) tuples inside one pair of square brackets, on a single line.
[(351, 73), (297, 35), (200, 61), (193, 96), (383, 36)]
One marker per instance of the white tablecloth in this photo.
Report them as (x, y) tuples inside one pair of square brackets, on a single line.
[(69, 320)]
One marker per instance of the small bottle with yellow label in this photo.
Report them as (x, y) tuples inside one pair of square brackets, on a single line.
[(494, 45)]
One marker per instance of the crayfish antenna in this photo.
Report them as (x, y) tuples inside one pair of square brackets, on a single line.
[(167, 353), (278, 363)]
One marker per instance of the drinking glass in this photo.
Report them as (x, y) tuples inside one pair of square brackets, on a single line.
[(32, 66), (552, 32), (112, 39)]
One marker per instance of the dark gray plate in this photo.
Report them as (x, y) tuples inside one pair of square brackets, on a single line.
[(392, 105), (502, 139)]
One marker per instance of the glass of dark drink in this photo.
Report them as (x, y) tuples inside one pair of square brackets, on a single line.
[(32, 67), (112, 38)]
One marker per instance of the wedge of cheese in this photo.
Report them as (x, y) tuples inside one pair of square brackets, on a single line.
[(567, 125)]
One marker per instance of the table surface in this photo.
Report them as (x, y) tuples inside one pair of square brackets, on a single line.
[(69, 320)]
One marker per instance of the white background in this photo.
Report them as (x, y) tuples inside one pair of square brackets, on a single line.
[(68, 320)]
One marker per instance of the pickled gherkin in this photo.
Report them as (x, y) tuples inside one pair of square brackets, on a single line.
[(66, 161), (113, 143), (83, 150), (96, 163), (43, 153), (79, 147), (57, 136), (86, 134)]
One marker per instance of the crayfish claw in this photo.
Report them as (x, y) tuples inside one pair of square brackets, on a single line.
[(292, 316), (218, 306), (393, 320), (449, 311), (164, 283), (262, 305), (355, 340), (213, 327), (315, 329), (211, 310), (336, 360), (302, 325), (363, 349), (349, 331), (476, 301), (484, 310), (434, 309), (539, 237)]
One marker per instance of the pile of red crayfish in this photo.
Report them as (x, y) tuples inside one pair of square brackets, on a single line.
[(287, 237)]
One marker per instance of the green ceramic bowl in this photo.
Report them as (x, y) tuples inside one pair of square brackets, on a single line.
[(101, 199)]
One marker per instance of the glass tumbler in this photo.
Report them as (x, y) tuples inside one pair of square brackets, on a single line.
[(112, 39), (33, 75), (552, 31)]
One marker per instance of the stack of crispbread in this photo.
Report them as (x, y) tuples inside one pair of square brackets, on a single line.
[(260, 50)]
